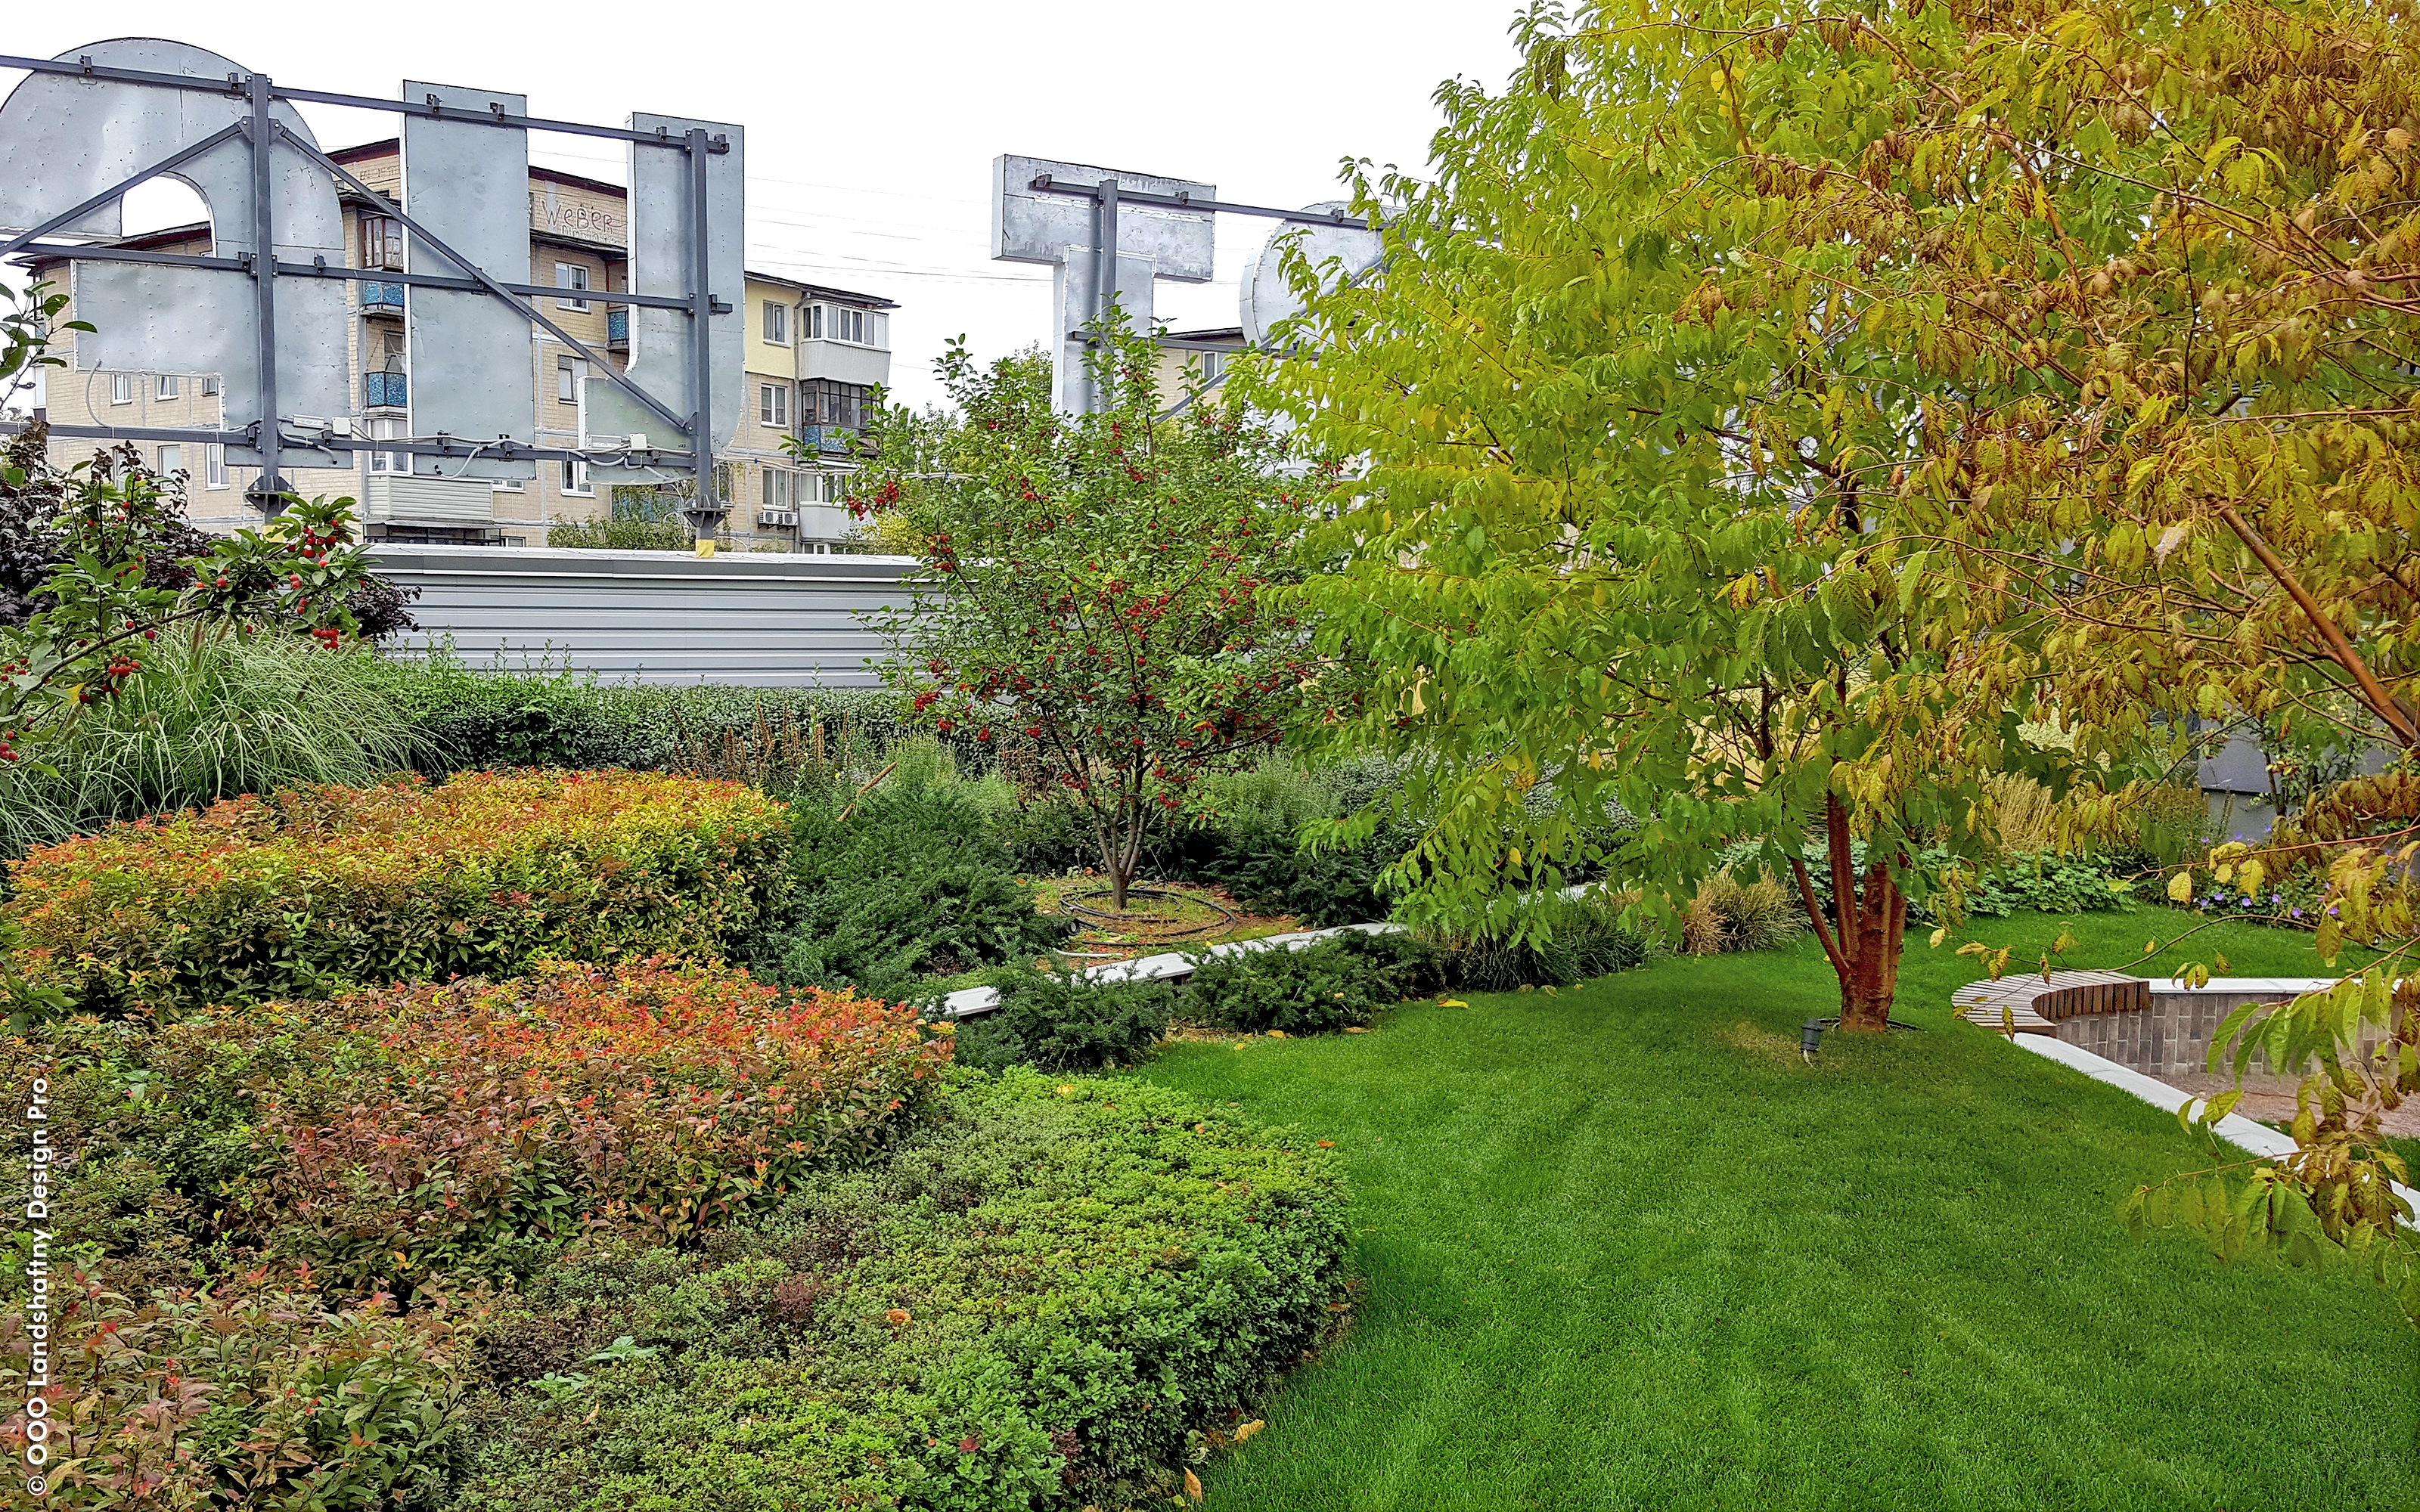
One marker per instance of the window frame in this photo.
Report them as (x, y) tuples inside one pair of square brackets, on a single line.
[(214, 467), (776, 328), (172, 457), (578, 270), (388, 256), (168, 386), (773, 404), (122, 388)]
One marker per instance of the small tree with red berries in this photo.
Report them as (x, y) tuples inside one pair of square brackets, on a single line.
[(1096, 582)]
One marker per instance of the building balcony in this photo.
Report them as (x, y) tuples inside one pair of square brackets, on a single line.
[(617, 331), (382, 298), (384, 390), (835, 441)]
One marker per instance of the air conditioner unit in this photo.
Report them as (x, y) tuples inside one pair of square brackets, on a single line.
[(776, 517)]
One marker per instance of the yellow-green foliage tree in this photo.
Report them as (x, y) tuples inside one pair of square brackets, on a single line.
[(1763, 405)]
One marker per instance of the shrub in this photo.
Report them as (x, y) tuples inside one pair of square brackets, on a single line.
[(1329, 984), (910, 885), (541, 714), (465, 1128), (620, 536), (255, 1393), (305, 891), (1038, 1301), (1244, 836), (1067, 1022), (462, 1123), (1586, 939), (215, 714)]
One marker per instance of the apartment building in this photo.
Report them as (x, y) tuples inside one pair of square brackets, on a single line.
[(815, 356), (812, 355), (1197, 359)]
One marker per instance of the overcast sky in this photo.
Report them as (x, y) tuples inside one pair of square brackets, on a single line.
[(872, 127)]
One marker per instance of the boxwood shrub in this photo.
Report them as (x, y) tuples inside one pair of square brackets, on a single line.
[(305, 891), (1037, 1303)]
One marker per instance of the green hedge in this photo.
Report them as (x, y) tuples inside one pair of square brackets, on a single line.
[(1041, 1302), (465, 719)]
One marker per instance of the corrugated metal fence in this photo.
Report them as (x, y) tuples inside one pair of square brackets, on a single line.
[(756, 620)]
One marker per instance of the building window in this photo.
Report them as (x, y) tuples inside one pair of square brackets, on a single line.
[(571, 378), (780, 488), (571, 276), (172, 459), (773, 404), (811, 320), (387, 428), (382, 242), (823, 488), (210, 387), (826, 402), (777, 322), (840, 322), (506, 485), (1213, 365), (575, 477), (168, 387), (122, 388), (214, 465)]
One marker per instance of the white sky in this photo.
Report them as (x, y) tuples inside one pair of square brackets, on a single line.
[(872, 127)]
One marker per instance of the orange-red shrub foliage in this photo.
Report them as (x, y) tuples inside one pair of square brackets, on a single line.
[(449, 1124)]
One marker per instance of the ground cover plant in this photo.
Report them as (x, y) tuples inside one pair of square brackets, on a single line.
[(1044, 1301), (1712, 1274), (303, 891)]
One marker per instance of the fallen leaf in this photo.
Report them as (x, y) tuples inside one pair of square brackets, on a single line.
[(1451, 1002), (1327, 1144), (898, 1317), (1245, 1430), (1193, 1486), (1354, 1029)]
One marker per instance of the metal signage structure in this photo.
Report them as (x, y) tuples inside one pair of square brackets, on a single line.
[(266, 308), (1108, 235)]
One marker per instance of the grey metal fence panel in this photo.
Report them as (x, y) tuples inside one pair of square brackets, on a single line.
[(752, 620)]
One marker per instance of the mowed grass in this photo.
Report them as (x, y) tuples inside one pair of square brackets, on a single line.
[(1624, 1249)]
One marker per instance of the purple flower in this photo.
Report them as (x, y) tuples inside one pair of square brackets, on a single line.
[(2298, 912)]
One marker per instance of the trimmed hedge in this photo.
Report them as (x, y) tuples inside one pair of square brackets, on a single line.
[(308, 891), (469, 718), (445, 1130), (468, 1128), (1040, 1302)]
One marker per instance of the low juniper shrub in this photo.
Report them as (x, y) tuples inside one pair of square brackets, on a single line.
[(910, 885), (1337, 982), (1065, 1022)]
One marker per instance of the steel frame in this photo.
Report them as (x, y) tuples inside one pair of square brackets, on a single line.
[(260, 129)]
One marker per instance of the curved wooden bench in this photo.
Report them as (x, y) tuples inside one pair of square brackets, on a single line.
[(2034, 1004)]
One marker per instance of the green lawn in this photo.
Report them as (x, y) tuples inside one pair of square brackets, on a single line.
[(1624, 1249)]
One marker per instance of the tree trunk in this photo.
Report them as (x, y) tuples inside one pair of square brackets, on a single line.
[(1866, 928)]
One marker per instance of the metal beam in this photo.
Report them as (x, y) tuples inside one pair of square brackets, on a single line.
[(107, 196), (264, 291), (97, 251), (235, 84), (1045, 184), (701, 430), (607, 457), (604, 367)]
